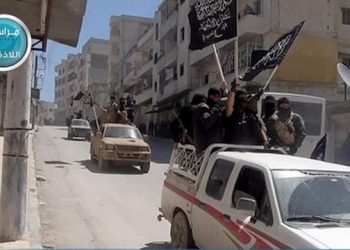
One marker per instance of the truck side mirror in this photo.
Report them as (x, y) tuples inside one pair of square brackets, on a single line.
[(247, 205)]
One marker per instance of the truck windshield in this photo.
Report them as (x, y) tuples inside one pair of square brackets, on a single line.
[(313, 195), (80, 123), (122, 132)]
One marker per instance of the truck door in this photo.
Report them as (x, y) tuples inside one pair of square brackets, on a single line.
[(207, 216), (244, 231)]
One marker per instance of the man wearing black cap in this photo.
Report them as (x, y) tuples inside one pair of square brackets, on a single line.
[(207, 121), (285, 128)]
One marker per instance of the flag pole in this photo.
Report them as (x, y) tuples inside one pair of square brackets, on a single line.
[(237, 46), (219, 65), (267, 84)]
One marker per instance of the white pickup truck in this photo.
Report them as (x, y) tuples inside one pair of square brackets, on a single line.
[(235, 198)]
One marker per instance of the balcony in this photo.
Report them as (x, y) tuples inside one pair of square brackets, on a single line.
[(168, 90), (144, 96), (169, 23), (130, 79), (145, 68), (167, 58)]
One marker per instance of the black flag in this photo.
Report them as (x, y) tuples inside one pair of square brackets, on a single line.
[(274, 55), (319, 152), (212, 22)]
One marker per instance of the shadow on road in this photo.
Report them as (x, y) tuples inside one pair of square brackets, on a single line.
[(56, 163), (156, 245), (112, 169), (75, 139), (161, 151)]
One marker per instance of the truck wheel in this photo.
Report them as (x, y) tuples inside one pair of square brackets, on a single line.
[(181, 233), (145, 167), (102, 164)]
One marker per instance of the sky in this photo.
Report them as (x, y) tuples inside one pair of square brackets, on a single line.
[(95, 24)]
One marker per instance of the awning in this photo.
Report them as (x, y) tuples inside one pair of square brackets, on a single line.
[(57, 20)]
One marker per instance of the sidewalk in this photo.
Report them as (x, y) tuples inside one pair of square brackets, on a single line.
[(32, 234)]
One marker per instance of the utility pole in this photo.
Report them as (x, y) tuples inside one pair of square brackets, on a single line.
[(35, 87), (15, 156)]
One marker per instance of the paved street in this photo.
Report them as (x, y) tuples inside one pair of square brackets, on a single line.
[(81, 207)]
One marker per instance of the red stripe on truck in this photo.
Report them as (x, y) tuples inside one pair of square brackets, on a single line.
[(262, 240)]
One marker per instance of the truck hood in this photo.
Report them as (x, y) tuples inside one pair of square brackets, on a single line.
[(80, 127), (331, 237), (125, 142)]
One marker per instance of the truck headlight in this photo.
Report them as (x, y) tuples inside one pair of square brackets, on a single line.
[(109, 147)]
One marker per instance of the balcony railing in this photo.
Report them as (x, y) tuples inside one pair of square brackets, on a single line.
[(143, 96)]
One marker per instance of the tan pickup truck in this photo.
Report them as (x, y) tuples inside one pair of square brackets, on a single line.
[(121, 144)]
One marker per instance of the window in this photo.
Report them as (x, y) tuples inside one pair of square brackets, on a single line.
[(174, 73), (206, 79), (312, 193), (251, 184), (346, 16), (155, 87), (182, 33), (182, 69), (156, 58), (218, 179), (122, 132), (157, 31)]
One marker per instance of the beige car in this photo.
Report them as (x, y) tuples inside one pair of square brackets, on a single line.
[(121, 144)]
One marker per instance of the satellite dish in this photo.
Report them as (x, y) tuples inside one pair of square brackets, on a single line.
[(344, 73)]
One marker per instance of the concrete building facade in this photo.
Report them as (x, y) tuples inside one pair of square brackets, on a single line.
[(138, 80), (94, 75), (125, 32), (87, 72), (46, 113), (67, 85)]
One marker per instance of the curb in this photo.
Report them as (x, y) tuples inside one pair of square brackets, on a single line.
[(33, 225)]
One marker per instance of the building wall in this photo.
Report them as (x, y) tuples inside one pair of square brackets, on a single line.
[(46, 113), (125, 31)]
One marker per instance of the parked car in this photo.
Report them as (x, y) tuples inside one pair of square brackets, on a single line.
[(121, 144), (232, 198), (79, 128)]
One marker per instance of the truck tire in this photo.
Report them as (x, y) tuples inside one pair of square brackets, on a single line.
[(102, 164), (145, 167), (181, 233)]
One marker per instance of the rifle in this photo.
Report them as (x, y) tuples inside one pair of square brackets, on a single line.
[(185, 135)]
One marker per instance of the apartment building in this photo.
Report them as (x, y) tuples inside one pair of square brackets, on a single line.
[(125, 32), (67, 85), (94, 75), (87, 71), (139, 74)]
